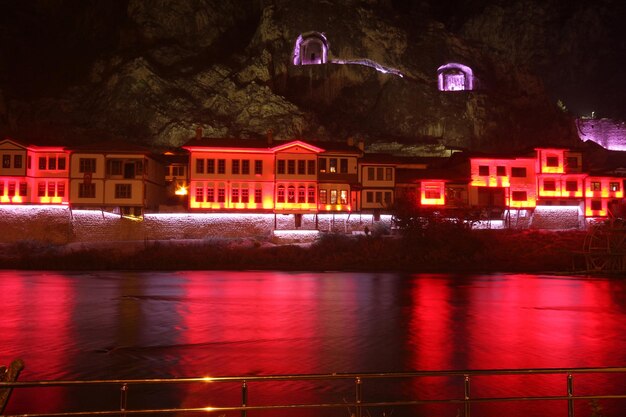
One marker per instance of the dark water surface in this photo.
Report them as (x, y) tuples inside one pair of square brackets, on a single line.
[(113, 325)]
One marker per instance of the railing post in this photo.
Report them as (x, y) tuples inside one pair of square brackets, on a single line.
[(570, 394), (244, 398), (359, 396), (9, 374), (466, 395), (123, 399)]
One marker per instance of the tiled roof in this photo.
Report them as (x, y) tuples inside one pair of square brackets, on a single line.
[(264, 144), (111, 147)]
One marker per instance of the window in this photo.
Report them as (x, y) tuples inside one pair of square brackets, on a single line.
[(29, 161), (370, 173), (432, 193), (1, 188), (301, 194), (291, 194), (235, 166), (210, 166), (322, 164), (122, 190), (596, 186), (234, 195), (280, 194), (311, 167), (571, 186), (87, 165), (519, 196), (343, 197), (115, 167), (483, 170), (614, 186), (596, 205), (311, 196), (11, 189), (52, 163), (199, 193), (572, 162), (388, 174), (178, 171), (221, 166), (245, 194), (199, 166), (280, 166), (210, 194), (61, 189), (6, 161), (379, 174), (518, 172), (258, 167), (51, 188), (332, 165), (245, 167), (17, 161), (369, 197), (301, 167), (42, 163), (323, 196), (291, 166), (23, 189), (131, 169), (41, 189), (549, 185), (500, 171), (387, 197), (343, 166), (379, 197), (258, 196), (62, 163), (86, 190), (333, 196), (552, 161), (221, 195)]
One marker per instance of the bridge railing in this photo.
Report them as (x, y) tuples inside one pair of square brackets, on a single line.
[(358, 406)]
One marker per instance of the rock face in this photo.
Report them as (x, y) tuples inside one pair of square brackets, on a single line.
[(152, 72)]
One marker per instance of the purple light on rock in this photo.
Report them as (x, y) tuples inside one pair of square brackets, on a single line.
[(608, 133), (368, 63), (311, 49), (455, 77)]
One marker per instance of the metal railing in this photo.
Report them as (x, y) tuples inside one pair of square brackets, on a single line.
[(359, 405)]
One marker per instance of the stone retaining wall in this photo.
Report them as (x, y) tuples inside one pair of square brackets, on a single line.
[(60, 225)]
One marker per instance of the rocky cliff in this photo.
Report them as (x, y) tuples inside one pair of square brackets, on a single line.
[(152, 72)]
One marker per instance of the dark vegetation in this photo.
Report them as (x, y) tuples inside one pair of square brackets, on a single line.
[(439, 247)]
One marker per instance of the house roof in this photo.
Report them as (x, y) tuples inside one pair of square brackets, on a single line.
[(326, 146), (111, 147), (14, 142), (205, 142)]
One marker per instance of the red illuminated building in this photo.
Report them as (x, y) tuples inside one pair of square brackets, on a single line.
[(302, 177)]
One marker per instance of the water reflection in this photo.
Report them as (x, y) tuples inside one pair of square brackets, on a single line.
[(143, 325)]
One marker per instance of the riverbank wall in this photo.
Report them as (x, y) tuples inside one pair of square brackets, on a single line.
[(60, 225)]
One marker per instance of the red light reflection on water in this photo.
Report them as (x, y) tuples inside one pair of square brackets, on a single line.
[(257, 323), (512, 321), (43, 326)]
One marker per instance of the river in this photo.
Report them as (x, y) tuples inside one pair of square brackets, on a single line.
[(113, 325)]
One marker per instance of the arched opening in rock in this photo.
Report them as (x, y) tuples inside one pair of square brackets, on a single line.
[(310, 49), (455, 77)]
